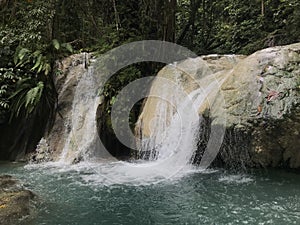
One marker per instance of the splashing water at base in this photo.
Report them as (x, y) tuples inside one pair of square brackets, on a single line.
[(75, 194), (173, 142), (170, 147)]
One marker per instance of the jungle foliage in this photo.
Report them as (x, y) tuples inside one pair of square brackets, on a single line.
[(35, 33)]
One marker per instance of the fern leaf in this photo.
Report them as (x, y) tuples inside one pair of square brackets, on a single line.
[(40, 67), (33, 97), (47, 68), (22, 53), (38, 62)]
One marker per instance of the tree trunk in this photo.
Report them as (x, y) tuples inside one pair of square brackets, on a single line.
[(193, 12), (169, 20)]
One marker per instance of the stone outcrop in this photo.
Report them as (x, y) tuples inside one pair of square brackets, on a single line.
[(15, 201), (70, 71), (42, 153), (262, 100), (258, 104)]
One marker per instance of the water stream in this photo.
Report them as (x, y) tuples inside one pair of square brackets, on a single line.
[(163, 187), (69, 195)]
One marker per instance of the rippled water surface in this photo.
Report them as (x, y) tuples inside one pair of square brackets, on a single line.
[(80, 195)]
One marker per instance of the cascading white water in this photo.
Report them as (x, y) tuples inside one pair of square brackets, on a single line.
[(174, 131), (82, 139), (168, 152)]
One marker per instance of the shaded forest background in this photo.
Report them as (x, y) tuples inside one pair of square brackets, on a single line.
[(35, 33)]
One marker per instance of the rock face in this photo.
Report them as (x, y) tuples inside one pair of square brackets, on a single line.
[(262, 100), (71, 69), (15, 201), (74, 136), (258, 104), (42, 153)]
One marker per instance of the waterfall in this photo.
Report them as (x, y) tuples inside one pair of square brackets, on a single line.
[(82, 139), (174, 130), (168, 149), (167, 152)]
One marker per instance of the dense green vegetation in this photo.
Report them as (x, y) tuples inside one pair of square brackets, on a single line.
[(35, 33)]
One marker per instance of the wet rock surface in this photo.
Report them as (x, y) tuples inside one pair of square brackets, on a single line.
[(71, 70), (258, 105)]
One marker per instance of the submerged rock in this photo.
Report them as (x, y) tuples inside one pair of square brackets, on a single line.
[(15, 201), (258, 104)]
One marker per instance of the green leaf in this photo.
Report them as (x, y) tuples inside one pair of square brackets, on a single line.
[(67, 46), (16, 59), (47, 68), (37, 63), (37, 53), (40, 68), (2, 92), (4, 105), (56, 44), (21, 86), (33, 97), (22, 53)]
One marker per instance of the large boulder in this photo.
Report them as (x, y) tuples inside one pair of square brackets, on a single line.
[(15, 202), (70, 71), (258, 105), (262, 106), (73, 136)]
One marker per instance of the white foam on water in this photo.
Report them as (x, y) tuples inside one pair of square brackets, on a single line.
[(115, 173), (238, 179)]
